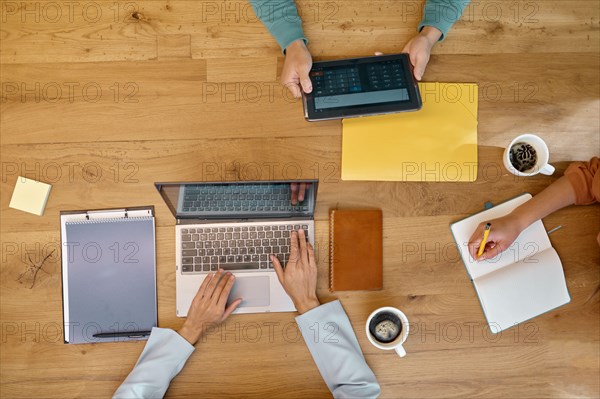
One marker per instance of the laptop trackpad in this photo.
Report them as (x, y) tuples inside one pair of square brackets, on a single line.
[(253, 290)]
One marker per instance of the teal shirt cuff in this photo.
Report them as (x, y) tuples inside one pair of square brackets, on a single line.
[(442, 14), (281, 19), (287, 33)]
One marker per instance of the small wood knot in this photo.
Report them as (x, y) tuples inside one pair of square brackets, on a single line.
[(137, 15)]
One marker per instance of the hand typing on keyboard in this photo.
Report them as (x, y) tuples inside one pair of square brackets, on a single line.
[(298, 190), (299, 278), (235, 248), (208, 306)]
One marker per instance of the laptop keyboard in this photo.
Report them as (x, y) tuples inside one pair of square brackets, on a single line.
[(206, 249), (239, 198)]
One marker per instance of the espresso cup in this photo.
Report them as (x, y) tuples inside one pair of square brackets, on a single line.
[(387, 329), (527, 155)]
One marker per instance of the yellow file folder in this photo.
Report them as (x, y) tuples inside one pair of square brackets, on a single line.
[(437, 143)]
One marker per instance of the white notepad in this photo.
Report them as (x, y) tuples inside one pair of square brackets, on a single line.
[(522, 282), (30, 196)]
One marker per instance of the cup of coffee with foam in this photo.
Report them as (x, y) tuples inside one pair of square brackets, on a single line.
[(528, 155), (387, 328)]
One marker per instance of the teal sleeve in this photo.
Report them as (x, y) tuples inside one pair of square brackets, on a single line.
[(442, 14), (281, 19)]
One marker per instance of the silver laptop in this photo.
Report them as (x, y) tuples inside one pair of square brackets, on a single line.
[(236, 226)]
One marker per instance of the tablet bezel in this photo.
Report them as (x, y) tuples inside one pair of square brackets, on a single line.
[(413, 104)]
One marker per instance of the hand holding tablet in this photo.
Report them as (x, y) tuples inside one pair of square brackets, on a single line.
[(361, 86)]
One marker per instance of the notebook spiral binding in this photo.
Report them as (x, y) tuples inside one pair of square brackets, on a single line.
[(331, 251), (110, 220)]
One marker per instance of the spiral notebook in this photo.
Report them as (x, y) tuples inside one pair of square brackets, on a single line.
[(108, 275), (355, 250), (524, 281)]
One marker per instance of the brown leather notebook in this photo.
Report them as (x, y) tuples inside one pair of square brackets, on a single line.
[(355, 250)]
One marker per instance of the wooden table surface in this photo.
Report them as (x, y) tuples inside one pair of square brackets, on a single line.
[(103, 98)]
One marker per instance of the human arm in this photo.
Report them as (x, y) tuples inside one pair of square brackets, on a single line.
[(167, 351), (580, 186), (438, 18), (505, 230), (585, 179), (161, 360), (296, 69), (332, 344), (442, 15), (282, 21)]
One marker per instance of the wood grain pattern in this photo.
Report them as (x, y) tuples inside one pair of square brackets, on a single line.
[(173, 46), (112, 96)]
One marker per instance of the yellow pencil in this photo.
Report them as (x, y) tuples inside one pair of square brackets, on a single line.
[(486, 233)]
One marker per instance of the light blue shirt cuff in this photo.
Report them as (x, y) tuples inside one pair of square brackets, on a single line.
[(331, 341), (161, 360)]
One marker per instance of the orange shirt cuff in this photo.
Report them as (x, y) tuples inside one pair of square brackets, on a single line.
[(585, 179)]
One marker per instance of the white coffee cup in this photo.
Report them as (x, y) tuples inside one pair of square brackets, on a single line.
[(543, 156), (396, 344)]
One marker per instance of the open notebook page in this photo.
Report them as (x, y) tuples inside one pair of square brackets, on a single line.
[(532, 240), (523, 290)]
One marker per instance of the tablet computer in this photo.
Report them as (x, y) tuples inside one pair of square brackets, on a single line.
[(361, 86)]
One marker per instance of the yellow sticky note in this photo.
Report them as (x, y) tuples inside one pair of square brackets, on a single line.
[(30, 196), (436, 143)]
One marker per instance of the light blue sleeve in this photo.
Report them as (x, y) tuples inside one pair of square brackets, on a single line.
[(331, 341), (442, 14), (281, 19), (161, 360)]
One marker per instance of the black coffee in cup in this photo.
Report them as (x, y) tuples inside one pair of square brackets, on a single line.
[(385, 327), (522, 156)]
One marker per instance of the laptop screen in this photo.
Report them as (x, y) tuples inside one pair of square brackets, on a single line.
[(227, 200)]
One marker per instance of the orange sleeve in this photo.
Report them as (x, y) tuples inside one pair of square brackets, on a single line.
[(585, 179)]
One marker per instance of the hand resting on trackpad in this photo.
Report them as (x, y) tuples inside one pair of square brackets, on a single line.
[(254, 291)]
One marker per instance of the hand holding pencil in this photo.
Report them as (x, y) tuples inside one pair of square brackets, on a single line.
[(500, 236), (483, 243)]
